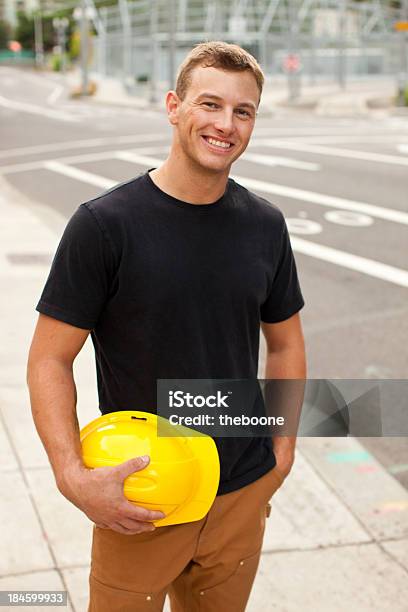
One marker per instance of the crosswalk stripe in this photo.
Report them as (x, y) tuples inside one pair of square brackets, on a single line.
[(332, 151), (388, 214), (276, 160), (80, 175), (397, 276)]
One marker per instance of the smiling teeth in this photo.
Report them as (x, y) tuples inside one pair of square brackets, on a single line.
[(218, 143)]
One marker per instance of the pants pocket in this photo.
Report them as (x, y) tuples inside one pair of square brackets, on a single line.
[(232, 594), (105, 598)]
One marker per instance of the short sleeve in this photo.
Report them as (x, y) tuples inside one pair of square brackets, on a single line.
[(81, 274), (285, 297)]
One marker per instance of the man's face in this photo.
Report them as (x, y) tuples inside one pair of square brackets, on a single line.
[(215, 120)]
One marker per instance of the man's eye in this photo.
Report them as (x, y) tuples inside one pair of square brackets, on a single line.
[(243, 112), (210, 104)]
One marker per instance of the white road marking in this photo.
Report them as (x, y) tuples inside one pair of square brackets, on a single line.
[(80, 144), (33, 109), (80, 175), (72, 159), (54, 95), (303, 226), (321, 199), (267, 160), (397, 276), (370, 267), (333, 130), (339, 138), (389, 214), (313, 130), (275, 160), (37, 165), (333, 151), (402, 148), (352, 219), (143, 160)]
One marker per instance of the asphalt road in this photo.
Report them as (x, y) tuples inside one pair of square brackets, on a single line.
[(342, 184)]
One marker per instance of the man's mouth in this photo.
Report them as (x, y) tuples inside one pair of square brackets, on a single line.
[(220, 144)]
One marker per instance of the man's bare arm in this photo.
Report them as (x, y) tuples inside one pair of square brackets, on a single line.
[(53, 393), (99, 492), (285, 359)]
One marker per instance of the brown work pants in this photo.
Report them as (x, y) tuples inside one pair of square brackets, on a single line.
[(204, 566)]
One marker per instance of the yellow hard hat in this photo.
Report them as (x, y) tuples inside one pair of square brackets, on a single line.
[(182, 477)]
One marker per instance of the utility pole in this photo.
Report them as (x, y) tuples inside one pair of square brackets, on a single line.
[(402, 28), (102, 40), (172, 40), (82, 14), (61, 24), (341, 60), (84, 48), (293, 70), (126, 40), (38, 36), (153, 50)]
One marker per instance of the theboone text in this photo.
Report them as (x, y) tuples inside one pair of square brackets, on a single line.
[(226, 420)]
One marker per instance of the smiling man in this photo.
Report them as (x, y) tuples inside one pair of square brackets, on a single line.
[(213, 120), (173, 273)]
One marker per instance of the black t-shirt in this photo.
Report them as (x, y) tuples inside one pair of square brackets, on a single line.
[(175, 290)]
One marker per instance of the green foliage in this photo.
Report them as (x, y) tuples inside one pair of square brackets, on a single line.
[(5, 33), (24, 31), (56, 62), (74, 45), (406, 96)]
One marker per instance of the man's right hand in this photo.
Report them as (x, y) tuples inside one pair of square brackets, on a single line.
[(99, 494)]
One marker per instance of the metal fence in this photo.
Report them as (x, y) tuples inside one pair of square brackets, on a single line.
[(139, 40)]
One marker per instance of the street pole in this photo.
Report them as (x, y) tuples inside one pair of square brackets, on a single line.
[(84, 48), (341, 60), (102, 40), (63, 30), (126, 40), (312, 50), (172, 40), (61, 24), (38, 35), (293, 44), (403, 74), (153, 50)]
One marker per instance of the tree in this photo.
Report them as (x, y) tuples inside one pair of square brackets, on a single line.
[(5, 33), (24, 31)]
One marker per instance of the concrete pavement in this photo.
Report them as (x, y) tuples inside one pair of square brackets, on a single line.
[(337, 537), (326, 98)]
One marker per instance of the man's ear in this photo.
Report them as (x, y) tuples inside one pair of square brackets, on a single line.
[(172, 105)]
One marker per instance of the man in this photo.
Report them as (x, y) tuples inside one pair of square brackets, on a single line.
[(173, 273)]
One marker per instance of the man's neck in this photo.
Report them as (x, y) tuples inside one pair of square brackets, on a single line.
[(189, 183)]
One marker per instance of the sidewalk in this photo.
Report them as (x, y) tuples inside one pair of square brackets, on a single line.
[(360, 97), (337, 537)]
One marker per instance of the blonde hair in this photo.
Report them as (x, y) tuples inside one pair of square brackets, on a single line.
[(217, 54)]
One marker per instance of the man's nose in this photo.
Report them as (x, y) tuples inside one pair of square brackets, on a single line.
[(225, 121)]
